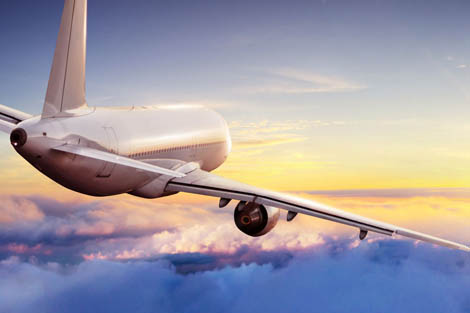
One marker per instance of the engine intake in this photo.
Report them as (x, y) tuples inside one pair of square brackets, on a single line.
[(18, 137), (255, 219)]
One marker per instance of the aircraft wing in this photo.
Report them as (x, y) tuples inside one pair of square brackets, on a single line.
[(204, 183), (9, 118), (116, 159)]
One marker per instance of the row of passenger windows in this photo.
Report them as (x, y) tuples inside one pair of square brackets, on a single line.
[(170, 149)]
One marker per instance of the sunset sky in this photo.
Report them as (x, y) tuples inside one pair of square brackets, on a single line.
[(362, 105)]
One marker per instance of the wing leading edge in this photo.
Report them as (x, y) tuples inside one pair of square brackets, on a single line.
[(204, 183)]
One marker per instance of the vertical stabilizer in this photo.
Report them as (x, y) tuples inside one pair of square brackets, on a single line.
[(66, 89)]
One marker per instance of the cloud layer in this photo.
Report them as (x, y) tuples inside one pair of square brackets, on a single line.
[(128, 228), (382, 277), (294, 81), (185, 255)]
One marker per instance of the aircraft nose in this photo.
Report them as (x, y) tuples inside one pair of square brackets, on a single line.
[(18, 137)]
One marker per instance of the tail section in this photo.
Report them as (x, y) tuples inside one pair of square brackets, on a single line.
[(66, 89)]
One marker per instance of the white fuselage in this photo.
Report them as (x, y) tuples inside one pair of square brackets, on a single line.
[(167, 136)]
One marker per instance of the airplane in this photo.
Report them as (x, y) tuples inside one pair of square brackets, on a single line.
[(149, 151)]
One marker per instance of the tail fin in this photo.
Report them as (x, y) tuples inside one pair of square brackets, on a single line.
[(66, 89)]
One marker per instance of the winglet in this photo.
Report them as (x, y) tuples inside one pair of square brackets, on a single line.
[(66, 88)]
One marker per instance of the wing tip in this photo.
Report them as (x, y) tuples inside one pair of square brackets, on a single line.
[(465, 248)]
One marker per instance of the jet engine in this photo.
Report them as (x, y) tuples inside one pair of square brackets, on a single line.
[(255, 219)]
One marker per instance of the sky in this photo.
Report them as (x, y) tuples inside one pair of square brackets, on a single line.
[(362, 105)]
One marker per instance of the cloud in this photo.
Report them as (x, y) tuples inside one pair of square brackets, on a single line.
[(130, 255), (293, 81), (127, 228), (267, 126), (38, 220), (462, 66), (213, 104), (270, 133), (186, 263), (386, 276), (217, 237), (248, 143), (15, 209)]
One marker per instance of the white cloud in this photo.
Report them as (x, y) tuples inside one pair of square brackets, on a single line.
[(268, 133), (293, 81), (462, 66)]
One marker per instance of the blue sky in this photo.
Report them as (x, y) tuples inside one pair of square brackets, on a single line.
[(388, 79), (362, 105), (405, 54)]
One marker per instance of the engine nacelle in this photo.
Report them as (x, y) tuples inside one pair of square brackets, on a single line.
[(255, 219)]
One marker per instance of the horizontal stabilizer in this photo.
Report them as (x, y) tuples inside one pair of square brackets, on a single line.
[(117, 159)]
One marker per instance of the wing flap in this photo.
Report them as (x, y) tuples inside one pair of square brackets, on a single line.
[(200, 182), (116, 159)]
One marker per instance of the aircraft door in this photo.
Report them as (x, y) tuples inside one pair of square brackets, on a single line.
[(113, 147)]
